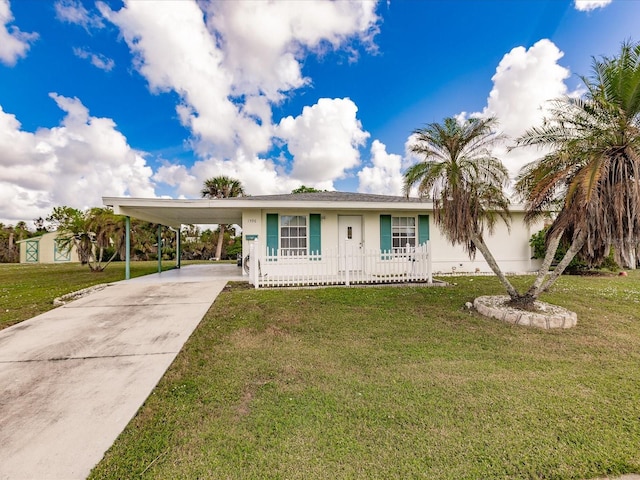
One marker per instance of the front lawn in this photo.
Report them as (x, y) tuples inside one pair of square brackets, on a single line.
[(27, 290), (395, 382)]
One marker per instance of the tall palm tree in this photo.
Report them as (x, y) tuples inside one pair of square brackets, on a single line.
[(465, 181), (591, 176), (91, 232), (222, 187), (108, 232)]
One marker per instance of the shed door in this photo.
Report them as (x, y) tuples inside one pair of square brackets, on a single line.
[(350, 241), (32, 251)]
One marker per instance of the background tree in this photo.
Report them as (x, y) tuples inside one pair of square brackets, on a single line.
[(9, 236), (305, 189), (221, 187), (73, 229), (465, 181), (592, 171), (92, 232), (40, 225)]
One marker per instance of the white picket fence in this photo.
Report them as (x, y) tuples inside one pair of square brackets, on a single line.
[(345, 266)]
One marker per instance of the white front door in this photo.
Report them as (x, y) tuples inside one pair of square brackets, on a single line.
[(350, 242)]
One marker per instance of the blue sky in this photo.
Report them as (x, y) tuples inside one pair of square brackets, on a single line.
[(150, 98)]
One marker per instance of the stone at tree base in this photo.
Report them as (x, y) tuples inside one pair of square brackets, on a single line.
[(547, 317)]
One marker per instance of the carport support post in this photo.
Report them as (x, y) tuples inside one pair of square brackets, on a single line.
[(159, 248), (178, 246), (127, 246)]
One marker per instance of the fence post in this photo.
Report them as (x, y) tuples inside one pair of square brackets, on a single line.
[(346, 264), (253, 263), (429, 271)]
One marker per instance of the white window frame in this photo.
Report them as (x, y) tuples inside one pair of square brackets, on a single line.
[(404, 230), (294, 237)]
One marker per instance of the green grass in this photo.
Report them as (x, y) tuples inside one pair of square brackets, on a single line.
[(383, 383), (27, 290)]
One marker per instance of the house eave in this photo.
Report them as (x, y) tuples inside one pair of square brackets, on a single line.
[(176, 212)]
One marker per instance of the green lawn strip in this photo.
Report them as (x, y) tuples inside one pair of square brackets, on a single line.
[(394, 383), (29, 290)]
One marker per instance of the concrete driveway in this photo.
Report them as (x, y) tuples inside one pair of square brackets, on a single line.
[(72, 378)]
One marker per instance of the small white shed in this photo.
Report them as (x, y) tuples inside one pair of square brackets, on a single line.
[(46, 249)]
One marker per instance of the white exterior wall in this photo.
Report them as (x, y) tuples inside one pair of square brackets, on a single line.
[(511, 249)]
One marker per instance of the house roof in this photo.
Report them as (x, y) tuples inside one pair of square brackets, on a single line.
[(334, 197), (174, 212)]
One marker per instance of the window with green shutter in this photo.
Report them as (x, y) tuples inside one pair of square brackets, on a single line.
[(293, 235), (403, 233)]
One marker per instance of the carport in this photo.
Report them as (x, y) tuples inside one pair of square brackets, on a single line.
[(173, 214)]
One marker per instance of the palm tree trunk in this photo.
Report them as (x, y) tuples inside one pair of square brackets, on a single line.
[(575, 247), (534, 291), (220, 241), (488, 256), (109, 261)]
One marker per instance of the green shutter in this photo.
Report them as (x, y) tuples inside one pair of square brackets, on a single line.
[(315, 245), (272, 233), (385, 234), (423, 229)]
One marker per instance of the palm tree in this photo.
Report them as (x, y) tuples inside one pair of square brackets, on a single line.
[(108, 231), (221, 187), (465, 181), (91, 232), (591, 176), (73, 230)]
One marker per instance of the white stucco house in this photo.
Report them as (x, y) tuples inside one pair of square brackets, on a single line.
[(45, 249), (338, 237)]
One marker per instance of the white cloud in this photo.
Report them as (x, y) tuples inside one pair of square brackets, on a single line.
[(524, 82), (258, 176), (74, 164), (73, 11), (588, 5), (14, 44), (174, 51), (97, 59), (236, 60), (323, 140), (264, 42), (385, 174)]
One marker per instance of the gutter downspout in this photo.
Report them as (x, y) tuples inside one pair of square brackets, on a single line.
[(178, 247), (127, 242), (159, 248)]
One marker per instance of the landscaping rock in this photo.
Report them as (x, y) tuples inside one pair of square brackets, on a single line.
[(69, 297), (546, 316)]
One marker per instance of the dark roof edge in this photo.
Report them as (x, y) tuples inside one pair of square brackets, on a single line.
[(332, 197)]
